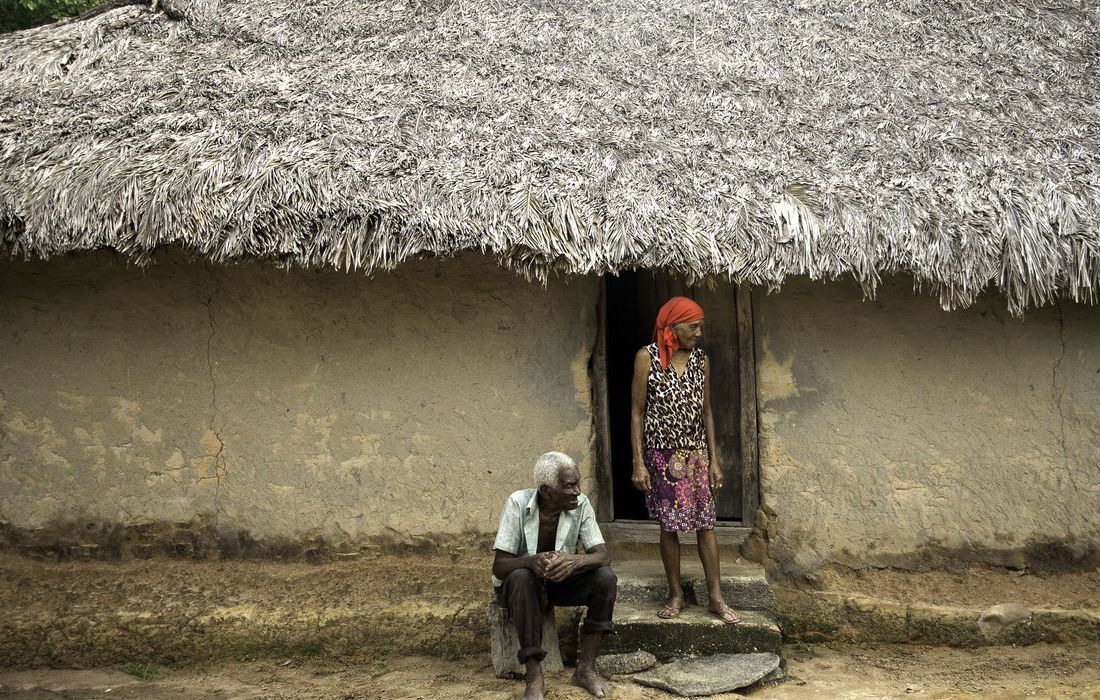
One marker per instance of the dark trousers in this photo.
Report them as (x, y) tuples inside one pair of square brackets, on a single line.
[(524, 595)]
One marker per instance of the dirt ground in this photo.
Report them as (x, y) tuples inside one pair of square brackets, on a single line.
[(83, 614), (359, 628), (816, 671)]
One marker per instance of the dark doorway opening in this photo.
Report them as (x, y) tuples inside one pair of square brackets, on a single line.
[(631, 304)]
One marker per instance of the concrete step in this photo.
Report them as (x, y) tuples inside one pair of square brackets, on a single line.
[(694, 632), (743, 584)]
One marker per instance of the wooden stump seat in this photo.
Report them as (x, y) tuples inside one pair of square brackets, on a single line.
[(504, 643)]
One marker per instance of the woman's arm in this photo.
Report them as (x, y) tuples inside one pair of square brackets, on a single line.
[(640, 475), (708, 421)]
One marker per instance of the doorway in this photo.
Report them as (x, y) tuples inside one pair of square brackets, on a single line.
[(629, 306)]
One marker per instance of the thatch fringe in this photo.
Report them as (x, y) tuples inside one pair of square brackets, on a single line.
[(748, 140)]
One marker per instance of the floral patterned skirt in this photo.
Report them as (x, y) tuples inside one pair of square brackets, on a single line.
[(680, 497)]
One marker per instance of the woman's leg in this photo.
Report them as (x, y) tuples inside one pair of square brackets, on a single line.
[(670, 557), (708, 555)]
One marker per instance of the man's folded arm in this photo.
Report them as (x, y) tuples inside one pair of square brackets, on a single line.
[(595, 557), (505, 563)]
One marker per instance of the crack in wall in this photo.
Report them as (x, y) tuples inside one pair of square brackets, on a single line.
[(221, 468), (1057, 392)]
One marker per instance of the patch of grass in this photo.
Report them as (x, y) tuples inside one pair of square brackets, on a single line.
[(146, 672), (21, 14)]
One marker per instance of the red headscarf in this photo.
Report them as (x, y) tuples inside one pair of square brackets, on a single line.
[(675, 310)]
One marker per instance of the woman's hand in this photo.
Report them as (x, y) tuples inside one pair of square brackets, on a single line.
[(716, 480), (640, 477)]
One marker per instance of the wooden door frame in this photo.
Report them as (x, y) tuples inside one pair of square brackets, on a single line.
[(750, 467)]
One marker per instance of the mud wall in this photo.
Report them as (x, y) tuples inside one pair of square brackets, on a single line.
[(894, 433), (265, 405)]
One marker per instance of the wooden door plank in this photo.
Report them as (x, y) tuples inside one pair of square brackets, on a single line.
[(750, 462), (642, 531), (605, 505), (720, 341)]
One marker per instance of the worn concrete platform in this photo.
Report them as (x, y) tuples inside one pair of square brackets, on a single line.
[(694, 632), (743, 584), (643, 589)]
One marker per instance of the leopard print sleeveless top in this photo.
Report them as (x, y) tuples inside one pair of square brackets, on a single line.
[(674, 404)]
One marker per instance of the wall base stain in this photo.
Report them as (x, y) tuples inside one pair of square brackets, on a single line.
[(204, 538), (788, 558), (1040, 556)]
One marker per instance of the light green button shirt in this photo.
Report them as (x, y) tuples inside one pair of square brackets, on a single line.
[(519, 526)]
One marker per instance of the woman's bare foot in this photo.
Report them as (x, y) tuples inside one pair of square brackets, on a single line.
[(724, 613), (672, 608), (588, 679)]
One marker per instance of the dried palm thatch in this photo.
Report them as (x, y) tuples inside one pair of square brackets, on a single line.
[(750, 139)]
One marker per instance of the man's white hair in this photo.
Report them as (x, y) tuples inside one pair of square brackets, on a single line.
[(548, 468)]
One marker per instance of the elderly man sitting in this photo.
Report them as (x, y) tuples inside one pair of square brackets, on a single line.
[(536, 558)]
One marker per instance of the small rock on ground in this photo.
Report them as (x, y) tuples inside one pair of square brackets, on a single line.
[(996, 618), (777, 676), (623, 664), (709, 675)]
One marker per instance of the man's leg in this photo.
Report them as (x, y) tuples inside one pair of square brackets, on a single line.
[(520, 593), (597, 589)]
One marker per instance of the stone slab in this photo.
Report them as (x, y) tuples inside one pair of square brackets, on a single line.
[(710, 675)]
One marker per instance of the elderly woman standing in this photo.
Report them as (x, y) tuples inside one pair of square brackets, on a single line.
[(672, 433)]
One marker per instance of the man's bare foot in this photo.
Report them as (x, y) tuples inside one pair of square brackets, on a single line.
[(588, 679), (536, 684)]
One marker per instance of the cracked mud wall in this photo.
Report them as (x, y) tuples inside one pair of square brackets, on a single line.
[(284, 404), (893, 433)]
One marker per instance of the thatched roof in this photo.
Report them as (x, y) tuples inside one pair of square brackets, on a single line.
[(751, 139)]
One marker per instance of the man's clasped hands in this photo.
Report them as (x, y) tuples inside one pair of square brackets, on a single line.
[(556, 566)]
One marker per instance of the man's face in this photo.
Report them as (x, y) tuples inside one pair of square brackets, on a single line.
[(566, 493), (688, 334)]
